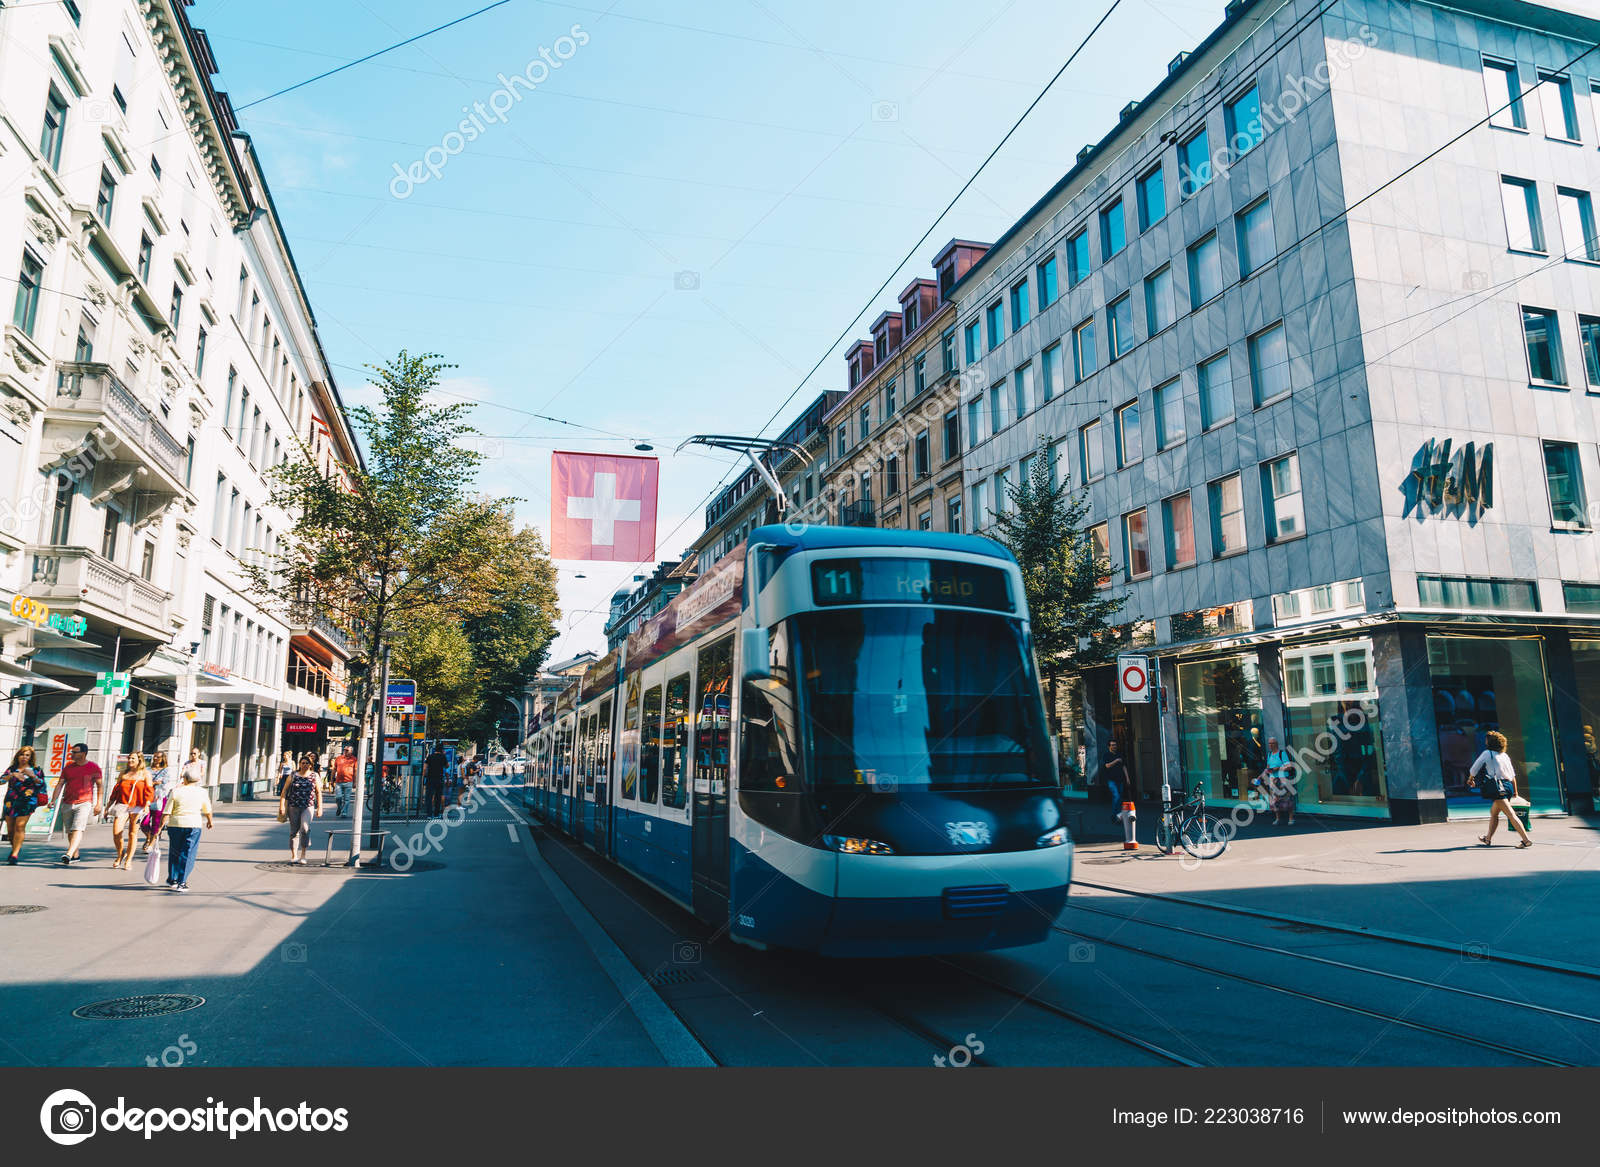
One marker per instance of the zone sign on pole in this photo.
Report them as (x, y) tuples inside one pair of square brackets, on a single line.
[(1133, 679)]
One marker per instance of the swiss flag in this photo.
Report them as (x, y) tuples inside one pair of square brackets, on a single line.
[(603, 506)]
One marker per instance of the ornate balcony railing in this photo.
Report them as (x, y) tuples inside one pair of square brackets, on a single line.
[(93, 389), (857, 514), (70, 577)]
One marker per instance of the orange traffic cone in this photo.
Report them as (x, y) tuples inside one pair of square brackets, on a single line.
[(1129, 817)]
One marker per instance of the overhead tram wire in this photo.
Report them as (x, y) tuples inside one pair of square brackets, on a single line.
[(912, 253), (370, 56), (1342, 215)]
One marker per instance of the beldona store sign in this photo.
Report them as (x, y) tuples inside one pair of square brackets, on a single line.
[(1449, 476)]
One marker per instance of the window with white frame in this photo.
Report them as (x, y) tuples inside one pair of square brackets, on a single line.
[(1281, 498)]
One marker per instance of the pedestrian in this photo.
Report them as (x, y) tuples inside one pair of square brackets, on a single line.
[(433, 781), (1278, 783), (298, 804), (1498, 786), (26, 791), (344, 777), (79, 792), (187, 808), (1114, 773), (130, 795), (286, 769), (194, 770), (162, 780)]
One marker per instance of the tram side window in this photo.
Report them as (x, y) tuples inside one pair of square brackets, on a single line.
[(630, 743), (650, 748), (769, 748), (586, 753), (602, 746), (712, 711), (675, 743), (768, 759)]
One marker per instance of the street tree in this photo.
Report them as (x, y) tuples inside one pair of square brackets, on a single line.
[(398, 536), (1064, 575)]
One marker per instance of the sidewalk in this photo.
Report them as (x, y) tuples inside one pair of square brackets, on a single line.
[(1434, 882), (474, 962)]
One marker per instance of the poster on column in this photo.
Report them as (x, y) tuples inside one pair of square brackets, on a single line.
[(52, 755)]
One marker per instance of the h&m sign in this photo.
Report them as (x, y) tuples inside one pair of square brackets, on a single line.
[(1447, 475)]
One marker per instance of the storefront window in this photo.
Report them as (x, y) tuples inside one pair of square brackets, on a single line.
[(1481, 684), (1067, 724), (1330, 716), (1586, 669), (1219, 725)]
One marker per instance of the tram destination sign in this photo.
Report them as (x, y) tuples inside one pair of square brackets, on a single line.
[(910, 581)]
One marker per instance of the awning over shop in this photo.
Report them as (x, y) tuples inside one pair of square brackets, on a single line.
[(16, 672)]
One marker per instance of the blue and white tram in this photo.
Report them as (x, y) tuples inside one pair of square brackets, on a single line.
[(832, 741)]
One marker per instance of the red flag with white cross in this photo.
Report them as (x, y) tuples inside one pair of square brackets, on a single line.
[(603, 506)]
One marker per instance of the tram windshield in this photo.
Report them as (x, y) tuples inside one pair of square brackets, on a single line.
[(900, 698)]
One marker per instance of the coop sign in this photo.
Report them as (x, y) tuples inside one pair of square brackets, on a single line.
[(40, 616), (1448, 475)]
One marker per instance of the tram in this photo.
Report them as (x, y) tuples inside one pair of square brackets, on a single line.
[(832, 741)]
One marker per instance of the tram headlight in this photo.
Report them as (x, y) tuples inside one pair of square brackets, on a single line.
[(853, 846), (1055, 838)]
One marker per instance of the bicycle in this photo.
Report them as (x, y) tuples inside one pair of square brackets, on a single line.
[(393, 796), (1188, 825)]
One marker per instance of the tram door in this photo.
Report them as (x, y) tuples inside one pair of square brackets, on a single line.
[(713, 738), (599, 790), (583, 786)]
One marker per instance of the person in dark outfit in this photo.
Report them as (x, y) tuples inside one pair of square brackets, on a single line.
[(1114, 773), (433, 781)]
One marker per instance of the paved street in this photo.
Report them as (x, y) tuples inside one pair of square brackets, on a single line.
[(522, 949), (473, 963)]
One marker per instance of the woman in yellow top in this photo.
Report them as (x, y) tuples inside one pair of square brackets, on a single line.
[(129, 797), (187, 808)]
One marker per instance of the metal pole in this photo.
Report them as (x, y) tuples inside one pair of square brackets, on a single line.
[(383, 729), (108, 720), (360, 795)]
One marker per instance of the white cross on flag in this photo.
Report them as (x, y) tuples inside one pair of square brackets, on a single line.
[(603, 506)]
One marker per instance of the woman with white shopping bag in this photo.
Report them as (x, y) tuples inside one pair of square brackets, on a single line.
[(1498, 785)]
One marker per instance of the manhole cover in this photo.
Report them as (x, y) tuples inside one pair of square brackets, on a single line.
[(673, 976), (20, 909), (133, 1008)]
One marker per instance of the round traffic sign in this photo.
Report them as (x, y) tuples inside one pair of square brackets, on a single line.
[(1134, 677)]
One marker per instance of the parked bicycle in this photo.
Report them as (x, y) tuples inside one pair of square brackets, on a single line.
[(393, 796), (1187, 824)]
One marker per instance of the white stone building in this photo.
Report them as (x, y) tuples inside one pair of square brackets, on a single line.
[(160, 357)]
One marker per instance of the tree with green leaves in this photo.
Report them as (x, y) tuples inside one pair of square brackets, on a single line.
[(398, 539), (1063, 573)]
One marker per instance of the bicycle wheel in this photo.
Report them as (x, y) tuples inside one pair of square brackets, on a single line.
[(1166, 837), (1204, 836)]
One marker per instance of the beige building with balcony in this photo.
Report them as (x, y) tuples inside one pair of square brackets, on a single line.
[(895, 436)]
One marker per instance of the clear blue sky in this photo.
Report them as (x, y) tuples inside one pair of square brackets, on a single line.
[(788, 152)]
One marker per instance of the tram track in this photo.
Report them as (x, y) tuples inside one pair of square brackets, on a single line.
[(1489, 955), (1343, 965), (906, 1021), (1318, 999)]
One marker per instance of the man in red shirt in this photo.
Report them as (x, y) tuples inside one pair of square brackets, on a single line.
[(344, 774), (79, 791)]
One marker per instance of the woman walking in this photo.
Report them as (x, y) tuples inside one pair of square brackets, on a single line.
[(286, 769), (187, 808), (129, 797), (162, 782), (1499, 785), (299, 804), (26, 792)]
